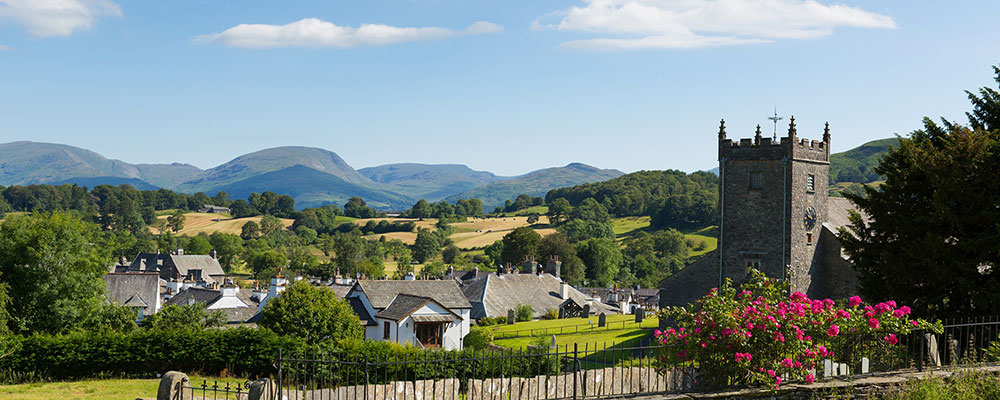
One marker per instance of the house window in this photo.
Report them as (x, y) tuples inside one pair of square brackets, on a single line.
[(755, 180), (753, 263), (811, 183), (386, 337), (429, 335), (809, 238)]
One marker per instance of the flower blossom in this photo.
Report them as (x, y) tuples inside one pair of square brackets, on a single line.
[(833, 331), (891, 339), (854, 301), (873, 323), (810, 378)]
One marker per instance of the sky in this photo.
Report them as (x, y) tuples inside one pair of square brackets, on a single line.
[(503, 86)]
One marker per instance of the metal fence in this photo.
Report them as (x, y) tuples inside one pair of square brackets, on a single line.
[(559, 373), (187, 390)]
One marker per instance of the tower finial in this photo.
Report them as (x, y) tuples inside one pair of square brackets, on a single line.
[(791, 128), (826, 133), (722, 129), (756, 137)]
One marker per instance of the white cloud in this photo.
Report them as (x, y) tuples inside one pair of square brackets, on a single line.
[(312, 32), (679, 24), (45, 18)]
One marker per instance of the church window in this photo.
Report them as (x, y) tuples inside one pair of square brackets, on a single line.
[(753, 263), (755, 180), (809, 238), (811, 183)]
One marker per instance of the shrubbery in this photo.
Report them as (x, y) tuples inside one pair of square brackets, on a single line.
[(524, 312), (488, 321), (478, 338), (756, 334)]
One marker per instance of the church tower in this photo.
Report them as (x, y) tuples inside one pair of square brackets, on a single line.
[(773, 200)]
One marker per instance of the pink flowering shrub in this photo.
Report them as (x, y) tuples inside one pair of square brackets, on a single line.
[(756, 333)]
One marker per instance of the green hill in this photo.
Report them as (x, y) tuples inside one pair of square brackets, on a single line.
[(536, 183), (270, 160), (432, 182), (24, 162), (312, 188), (857, 164)]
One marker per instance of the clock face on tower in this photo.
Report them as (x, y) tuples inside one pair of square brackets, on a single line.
[(810, 218)]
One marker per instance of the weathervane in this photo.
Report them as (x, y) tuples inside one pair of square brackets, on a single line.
[(775, 119)]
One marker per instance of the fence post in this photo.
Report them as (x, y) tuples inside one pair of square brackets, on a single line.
[(576, 371), (367, 379), (281, 382), (920, 358)]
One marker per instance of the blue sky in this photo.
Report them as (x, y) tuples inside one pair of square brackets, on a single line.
[(504, 86)]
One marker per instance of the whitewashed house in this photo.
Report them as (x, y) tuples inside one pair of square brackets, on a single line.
[(424, 313)]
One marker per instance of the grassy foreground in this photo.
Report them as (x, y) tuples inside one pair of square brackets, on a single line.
[(98, 389)]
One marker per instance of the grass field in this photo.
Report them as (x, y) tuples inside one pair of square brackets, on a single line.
[(586, 336), (103, 389), (627, 225), (195, 223), (534, 210), (705, 234)]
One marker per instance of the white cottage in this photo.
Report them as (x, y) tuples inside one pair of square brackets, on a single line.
[(424, 313)]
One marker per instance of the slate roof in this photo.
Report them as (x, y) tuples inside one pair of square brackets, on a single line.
[(208, 296), (466, 276), (495, 294), (208, 265), (133, 290), (147, 262), (340, 290), (838, 212), (445, 292), (359, 309), (402, 306)]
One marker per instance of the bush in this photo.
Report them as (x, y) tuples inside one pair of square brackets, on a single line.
[(312, 313), (757, 334), (551, 313), (523, 312), (487, 321), (478, 338)]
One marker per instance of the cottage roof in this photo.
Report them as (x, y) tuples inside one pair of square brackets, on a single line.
[(340, 290), (208, 297), (133, 290), (208, 265), (404, 305), (361, 311), (381, 293), (499, 293)]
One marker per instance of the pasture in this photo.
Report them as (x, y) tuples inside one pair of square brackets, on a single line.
[(196, 223)]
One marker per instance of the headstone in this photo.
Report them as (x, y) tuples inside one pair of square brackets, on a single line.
[(586, 311), (932, 349), (602, 320), (639, 313), (844, 369), (553, 341), (170, 385), (827, 368), (864, 365), (261, 389)]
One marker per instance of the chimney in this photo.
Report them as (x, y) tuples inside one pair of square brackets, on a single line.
[(564, 290), (123, 260), (180, 252), (409, 276), (229, 289), (451, 270), (213, 254)]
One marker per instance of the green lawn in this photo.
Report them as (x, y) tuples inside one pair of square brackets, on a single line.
[(626, 225), (103, 389), (540, 210), (585, 337), (708, 235)]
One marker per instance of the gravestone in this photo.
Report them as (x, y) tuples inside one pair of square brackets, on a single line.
[(511, 317), (553, 341), (261, 389), (827, 368), (932, 349), (602, 320), (170, 385), (864, 365), (639, 313), (586, 311)]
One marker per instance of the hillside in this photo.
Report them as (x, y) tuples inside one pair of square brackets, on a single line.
[(167, 175), (536, 183), (312, 188), (857, 164), (24, 162), (270, 160), (432, 182), (107, 180)]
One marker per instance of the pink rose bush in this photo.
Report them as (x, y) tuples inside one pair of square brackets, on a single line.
[(756, 334)]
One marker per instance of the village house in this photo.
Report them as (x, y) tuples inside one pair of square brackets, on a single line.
[(239, 305), (626, 300), (424, 313), (211, 209), (497, 293), (140, 291), (178, 268)]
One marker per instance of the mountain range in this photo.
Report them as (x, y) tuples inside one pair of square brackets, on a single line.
[(310, 175)]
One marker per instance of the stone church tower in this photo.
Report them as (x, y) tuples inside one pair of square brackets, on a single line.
[(775, 215)]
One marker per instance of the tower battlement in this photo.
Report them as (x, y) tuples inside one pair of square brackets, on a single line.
[(765, 148)]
